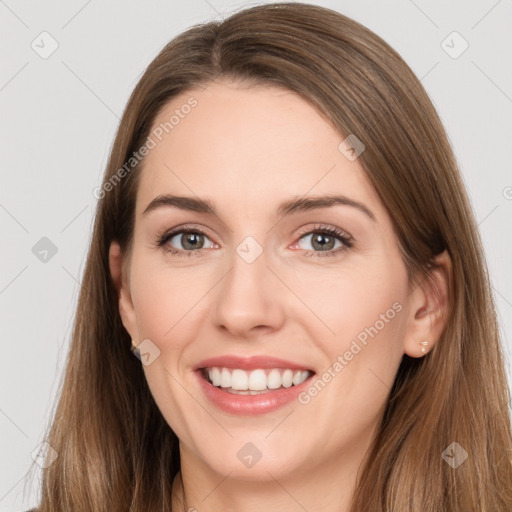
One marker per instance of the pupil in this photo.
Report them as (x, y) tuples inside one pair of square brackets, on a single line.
[(188, 239), (318, 239)]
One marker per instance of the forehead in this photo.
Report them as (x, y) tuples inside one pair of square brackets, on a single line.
[(247, 145)]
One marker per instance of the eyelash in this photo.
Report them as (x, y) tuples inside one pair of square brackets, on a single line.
[(346, 240)]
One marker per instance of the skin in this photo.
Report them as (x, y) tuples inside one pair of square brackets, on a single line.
[(248, 149)]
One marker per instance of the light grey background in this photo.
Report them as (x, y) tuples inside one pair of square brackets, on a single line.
[(59, 116)]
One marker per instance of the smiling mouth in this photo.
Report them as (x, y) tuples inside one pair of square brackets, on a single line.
[(254, 382)]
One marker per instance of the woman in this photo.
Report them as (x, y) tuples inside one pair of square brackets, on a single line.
[(284, 240)]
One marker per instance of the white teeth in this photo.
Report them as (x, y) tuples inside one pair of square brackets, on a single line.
[(225, 378), (214, 375), (274, 379), (237, 380), (257, 380), (286, 379), (299, 377)]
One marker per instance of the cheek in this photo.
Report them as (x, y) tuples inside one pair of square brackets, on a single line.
[(362, 311), (167, 308), (359, 302), (365, 310), (166, 298)]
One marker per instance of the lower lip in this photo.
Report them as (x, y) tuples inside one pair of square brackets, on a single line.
[(250, 405)]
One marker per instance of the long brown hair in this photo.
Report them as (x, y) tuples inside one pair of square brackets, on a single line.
[(115, 450)]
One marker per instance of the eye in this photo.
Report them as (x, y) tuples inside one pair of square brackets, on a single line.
[(190, 240), (324, 239)]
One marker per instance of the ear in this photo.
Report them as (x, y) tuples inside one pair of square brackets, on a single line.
[(430, 304), (119, 269)]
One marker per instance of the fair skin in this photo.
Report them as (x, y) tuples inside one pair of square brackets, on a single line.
[(248, 149)]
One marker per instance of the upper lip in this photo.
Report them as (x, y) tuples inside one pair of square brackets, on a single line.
[(249, 363)]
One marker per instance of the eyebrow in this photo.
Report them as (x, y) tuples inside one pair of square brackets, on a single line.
[(294, 205)]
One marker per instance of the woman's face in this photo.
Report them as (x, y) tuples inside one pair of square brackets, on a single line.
[(258, 294)]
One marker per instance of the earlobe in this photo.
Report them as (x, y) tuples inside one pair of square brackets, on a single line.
[(430, 305), (118, 269)]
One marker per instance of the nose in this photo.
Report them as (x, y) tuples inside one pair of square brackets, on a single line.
[(250, 299)]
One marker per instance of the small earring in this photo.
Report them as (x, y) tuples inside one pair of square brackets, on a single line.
[(133, 347), (424, 348)]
